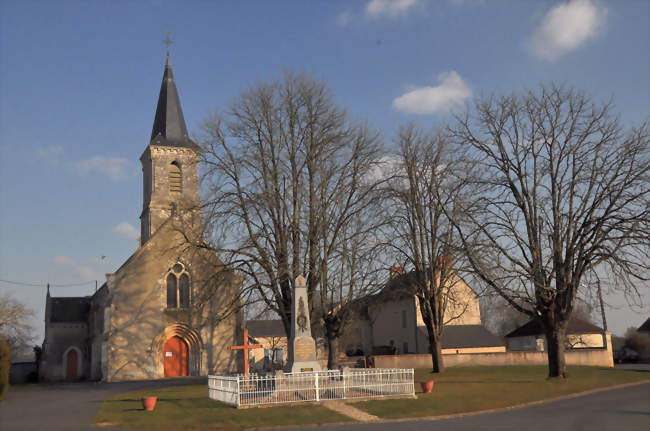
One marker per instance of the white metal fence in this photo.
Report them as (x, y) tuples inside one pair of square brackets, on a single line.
[(361, 383)]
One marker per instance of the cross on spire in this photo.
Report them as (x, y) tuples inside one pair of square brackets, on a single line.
[(167, 41)]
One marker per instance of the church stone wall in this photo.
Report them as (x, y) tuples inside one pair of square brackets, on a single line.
[(60, 338), (98, 329), (140, 318), (157, 202)]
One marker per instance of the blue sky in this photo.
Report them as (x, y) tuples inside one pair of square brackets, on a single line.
[(79, 83)]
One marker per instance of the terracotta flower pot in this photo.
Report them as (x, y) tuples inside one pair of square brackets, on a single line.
[(427, 386), (149, 403)]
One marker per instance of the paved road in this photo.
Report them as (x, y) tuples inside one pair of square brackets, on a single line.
[(68, 407), (625, 409)]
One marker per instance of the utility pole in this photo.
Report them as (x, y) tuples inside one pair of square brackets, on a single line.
[(602, 314), (602, 306)]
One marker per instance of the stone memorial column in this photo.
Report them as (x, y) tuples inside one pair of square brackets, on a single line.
[(303, 347)]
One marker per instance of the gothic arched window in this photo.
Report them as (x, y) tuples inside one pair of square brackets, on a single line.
[(175, 180), (178, 287), (172, 287)]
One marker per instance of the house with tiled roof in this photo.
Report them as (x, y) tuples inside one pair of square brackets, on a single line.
[(391, 321)]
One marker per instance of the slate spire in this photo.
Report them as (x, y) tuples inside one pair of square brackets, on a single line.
[(169, 124)]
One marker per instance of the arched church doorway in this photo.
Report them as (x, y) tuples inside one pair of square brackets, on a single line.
[(175, 354), (71, 365)]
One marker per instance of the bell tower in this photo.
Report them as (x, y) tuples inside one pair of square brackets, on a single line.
[(169, 163)]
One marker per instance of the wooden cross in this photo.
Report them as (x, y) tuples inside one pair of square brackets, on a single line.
[(246, 347), (167, 41)]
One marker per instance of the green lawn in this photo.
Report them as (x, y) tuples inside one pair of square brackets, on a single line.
[(456, 390), (465, 389), (189, 408)]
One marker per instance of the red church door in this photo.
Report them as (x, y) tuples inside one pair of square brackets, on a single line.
[(175, 356), (71, 365)]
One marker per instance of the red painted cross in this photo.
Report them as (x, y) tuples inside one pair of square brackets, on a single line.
[(246, 347)]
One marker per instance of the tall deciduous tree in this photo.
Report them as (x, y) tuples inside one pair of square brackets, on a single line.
[(288, 194), (565, 198), (424, 191), (15, 327)]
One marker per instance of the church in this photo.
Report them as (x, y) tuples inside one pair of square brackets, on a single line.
[(170, 309)]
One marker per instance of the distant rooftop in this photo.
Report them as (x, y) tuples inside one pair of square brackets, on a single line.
[(575, 326), (645, 327), (466, 336), (265, 328)]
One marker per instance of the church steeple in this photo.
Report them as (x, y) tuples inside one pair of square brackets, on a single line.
[(169, 127), (169, 163)]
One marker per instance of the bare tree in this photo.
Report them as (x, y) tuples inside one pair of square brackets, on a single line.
[(425, 182), (353, 273), (499, 317), (15, 327), (565, 197), (286, 175)]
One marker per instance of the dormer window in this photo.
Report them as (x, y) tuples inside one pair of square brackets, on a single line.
[(175, 180), (178, 287)]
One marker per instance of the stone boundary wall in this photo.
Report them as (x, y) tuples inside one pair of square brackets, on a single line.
[(593, 357)]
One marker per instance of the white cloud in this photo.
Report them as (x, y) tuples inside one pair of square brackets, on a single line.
[(344, 18), (125, 230), (62, 260), (565, 27), (451, 92), (382, 169), (377, 8), (114, 167), (87, 270)]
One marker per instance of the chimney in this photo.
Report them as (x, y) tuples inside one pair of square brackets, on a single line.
[(444, 261), (396, 270)]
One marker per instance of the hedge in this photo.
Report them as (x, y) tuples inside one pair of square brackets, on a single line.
[(5, 364)]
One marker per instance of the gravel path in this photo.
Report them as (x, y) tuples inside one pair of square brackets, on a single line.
[(350, 411)]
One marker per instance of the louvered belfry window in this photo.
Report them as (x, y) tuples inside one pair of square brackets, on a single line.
[(175, 180)]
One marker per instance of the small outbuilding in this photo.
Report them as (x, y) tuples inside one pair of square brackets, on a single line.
[(270, 334), (580, 335)]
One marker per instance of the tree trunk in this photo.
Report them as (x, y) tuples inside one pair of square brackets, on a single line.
[(555, 340), (436, 353), (332, 352)]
